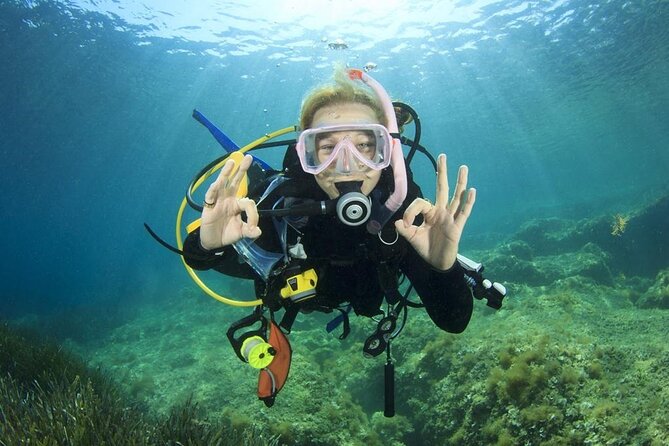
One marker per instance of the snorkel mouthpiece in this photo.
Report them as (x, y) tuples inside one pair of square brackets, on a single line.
[(382, 213), (353, 207)]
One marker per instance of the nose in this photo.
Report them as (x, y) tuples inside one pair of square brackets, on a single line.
[(346, 162)]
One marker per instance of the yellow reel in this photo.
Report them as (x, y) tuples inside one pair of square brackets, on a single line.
[(257, 352)]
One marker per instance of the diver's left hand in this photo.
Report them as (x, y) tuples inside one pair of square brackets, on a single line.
[(437, 239)]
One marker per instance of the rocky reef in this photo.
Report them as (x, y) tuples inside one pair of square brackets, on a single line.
[(574, 364), (630, 243)]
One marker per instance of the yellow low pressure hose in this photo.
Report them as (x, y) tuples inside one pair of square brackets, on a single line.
[(237, 157)]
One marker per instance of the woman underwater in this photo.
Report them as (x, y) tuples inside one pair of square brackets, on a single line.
[(374, 225)]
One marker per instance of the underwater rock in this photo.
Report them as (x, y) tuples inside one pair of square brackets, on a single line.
[(515, 263), (637, 247), (657, 295), (547, 236), (510, 268), (643, 248), (534, 379), (518, 248), (592, 262)]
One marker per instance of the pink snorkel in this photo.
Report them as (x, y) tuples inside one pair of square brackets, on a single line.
[(381, 214)]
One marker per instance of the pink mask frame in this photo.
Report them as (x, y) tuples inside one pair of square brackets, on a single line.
[(345, 150)]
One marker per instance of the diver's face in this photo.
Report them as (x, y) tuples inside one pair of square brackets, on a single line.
[(349, 113)]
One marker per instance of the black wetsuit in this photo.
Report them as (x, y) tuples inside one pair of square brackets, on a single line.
[(352, 265)]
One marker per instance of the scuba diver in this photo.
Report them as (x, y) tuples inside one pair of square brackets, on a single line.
[(337, 229)]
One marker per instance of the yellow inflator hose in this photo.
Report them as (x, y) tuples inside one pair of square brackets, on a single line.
[(241, 192)]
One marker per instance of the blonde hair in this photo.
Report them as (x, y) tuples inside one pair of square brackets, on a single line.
[(342, 91)]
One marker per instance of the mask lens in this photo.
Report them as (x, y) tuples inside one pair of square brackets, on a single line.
[(368, 144)]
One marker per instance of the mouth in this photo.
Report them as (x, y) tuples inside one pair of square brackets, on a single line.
[(368, 181), (348, 186)]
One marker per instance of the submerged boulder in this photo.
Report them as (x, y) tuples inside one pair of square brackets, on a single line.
[(636, 242), (516, 264), (657, 295)]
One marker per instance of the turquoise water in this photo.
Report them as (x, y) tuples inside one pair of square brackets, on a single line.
[(558, 107)]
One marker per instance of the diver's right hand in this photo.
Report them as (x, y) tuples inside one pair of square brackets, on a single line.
[(222, 223)]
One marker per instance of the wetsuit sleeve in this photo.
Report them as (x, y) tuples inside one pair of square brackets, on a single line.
[(223, 260), (446, 296)]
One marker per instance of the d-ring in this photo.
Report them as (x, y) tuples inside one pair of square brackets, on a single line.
[(397, 236)]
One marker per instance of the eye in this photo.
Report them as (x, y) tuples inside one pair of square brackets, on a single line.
[(326, 148), (366, 144)]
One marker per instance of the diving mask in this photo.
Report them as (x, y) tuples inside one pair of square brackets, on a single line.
[(346, 148)]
